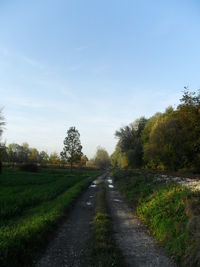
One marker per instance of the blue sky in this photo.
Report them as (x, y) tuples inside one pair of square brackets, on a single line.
[(93, 64)]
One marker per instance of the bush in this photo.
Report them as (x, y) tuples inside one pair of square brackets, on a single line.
[(30, 167)]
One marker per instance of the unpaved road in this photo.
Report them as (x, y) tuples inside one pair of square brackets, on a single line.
[(137, 246), (66, 248)]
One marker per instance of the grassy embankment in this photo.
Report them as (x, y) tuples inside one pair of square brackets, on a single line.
[(31, 204), (102, 250), (171, 212)]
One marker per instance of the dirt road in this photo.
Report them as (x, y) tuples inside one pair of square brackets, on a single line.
[(138, 248), (66, 248)]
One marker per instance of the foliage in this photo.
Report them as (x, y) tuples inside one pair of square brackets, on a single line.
[(83, 161), (54, 158), (188, 113), (44, 157), (131, 143), (102, 159), (31, 204), (163, 148), (15, 153), (166, 141), (170, 211), (117, 159), (34, 155), (72, 150)]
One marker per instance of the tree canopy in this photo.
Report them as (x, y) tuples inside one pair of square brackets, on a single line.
[(72, 150), (131, 143), (102, 159), (168, 140)]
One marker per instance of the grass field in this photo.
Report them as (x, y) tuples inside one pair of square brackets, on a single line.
[(171, 212), (31, 204)]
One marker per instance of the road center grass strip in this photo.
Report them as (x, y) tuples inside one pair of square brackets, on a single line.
[(171, 212), (102, 249)]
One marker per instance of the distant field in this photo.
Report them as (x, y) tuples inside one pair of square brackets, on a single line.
[(30, 206)]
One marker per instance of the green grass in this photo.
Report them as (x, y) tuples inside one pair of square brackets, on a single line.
[(102, 250), (31, 204), (167, 210)]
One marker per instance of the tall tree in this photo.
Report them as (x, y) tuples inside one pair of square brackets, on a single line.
[(44, 157), (34, 155), (102, 159), (131, 143), (118, 158), (188, 113), (83, 160), (54, 158), (72, 150)]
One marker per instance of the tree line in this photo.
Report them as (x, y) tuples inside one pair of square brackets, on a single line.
[(165, 141), (71, 154), (16, 153)]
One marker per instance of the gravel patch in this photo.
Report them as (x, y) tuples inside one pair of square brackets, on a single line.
[(192, 184)]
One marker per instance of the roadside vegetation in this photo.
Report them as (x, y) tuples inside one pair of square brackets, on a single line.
[(170, 211), (102, 249), (31, 204)]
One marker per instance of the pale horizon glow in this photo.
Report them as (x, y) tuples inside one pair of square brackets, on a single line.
[(95, 65)]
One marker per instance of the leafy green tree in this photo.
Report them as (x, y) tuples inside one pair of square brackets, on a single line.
[(102, 159), (34, 156), (164, 149), (131, 142), (54, 158), (72, 150), (188, 113), (24, 152), (118, 160), (3, 152), (83, 160), (44, 157), (13, 152)]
